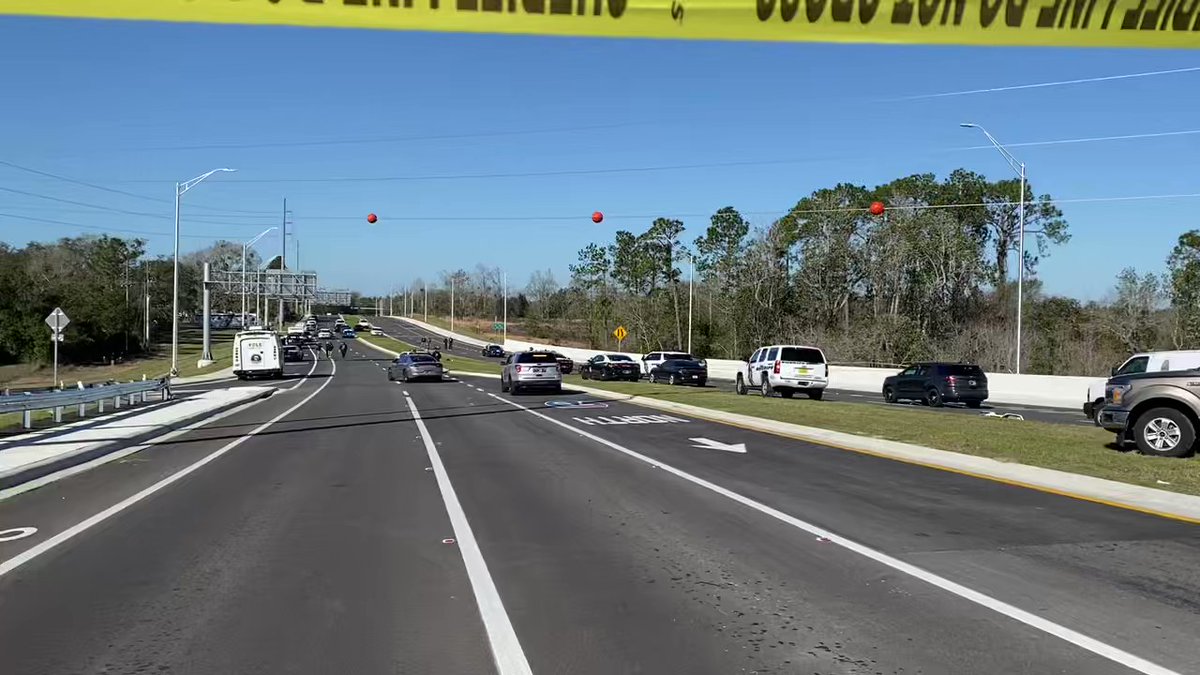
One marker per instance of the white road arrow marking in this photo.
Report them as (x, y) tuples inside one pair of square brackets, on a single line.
[(710, 444)]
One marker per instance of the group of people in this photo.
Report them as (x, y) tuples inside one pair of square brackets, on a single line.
[(447, 343), (329, 349)]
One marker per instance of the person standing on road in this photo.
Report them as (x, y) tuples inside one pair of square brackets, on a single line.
[(329, 350), (451, 343), (342, 349)]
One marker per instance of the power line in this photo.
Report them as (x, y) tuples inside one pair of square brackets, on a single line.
[(50, 221), (677, 167), (385, 139), (1040, 85), (39, 172), (113, 209)]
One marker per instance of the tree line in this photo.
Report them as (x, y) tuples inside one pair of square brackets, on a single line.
[(930, 278), (102, 284)]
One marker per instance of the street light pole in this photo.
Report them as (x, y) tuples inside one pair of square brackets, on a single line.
[(451, 303), (245, 247), (1019, 168), (425, 302), (180, 190), (504, 322), (691, 294)]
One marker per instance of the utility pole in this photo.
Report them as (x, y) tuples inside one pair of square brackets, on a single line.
[(146, 335), (451, 303), (504, 292), (426, 302), (282, 260)]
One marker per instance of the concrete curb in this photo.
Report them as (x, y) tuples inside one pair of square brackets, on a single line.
[(1099, 490), (223, 374), (87, 453)]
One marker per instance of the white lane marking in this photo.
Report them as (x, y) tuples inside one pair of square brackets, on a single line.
[(86, 524), (710, 444), (306, 375), (404, 392), (506, 648), (16, 533), (114, 456), (1074, 637)]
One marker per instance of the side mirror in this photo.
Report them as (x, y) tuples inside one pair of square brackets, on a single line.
[(1114, 371)]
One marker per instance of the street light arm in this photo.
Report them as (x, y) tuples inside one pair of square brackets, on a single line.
[(188, 185), (260, 236), (1013, 162)]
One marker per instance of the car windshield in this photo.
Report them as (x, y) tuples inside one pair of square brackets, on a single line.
[(677, 356), (536, 357), (423, 358), (683, 363), (618, 357), (962, 370)]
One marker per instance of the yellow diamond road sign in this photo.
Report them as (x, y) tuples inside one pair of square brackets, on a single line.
[(620, 333)]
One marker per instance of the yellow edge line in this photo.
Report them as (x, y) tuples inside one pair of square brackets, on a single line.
[(928, 465)]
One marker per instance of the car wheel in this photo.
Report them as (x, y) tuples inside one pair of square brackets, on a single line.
[(391, 378), (765, 388), (786, 393), (1164, 432), (558, 388), (653, 378), (816, 394), (672, 380), (739, 387), (503, 384), (933, 398), (974, 404), (701, 383), (1096, 406), (889, 395), (512, 387)]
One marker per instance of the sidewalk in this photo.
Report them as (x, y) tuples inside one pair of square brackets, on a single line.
[(33, 455), (223, 374)]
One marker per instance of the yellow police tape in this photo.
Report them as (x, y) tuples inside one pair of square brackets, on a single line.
[(1068, 23)]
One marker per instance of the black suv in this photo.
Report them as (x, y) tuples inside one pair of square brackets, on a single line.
[(938, 383)]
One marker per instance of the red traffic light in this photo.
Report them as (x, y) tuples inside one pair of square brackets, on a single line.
[(597, 217), (371, 218), (877, 208)]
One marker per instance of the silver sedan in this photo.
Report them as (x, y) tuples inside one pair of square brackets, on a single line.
[(409, 367)]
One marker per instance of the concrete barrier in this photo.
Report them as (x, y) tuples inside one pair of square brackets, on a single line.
[(1056, 391), (459, 337)]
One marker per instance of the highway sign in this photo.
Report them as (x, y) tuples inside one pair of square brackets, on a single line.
[(498, 326), (57, 320), (620, 333)]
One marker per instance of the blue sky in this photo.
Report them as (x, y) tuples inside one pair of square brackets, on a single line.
[(134, 107)]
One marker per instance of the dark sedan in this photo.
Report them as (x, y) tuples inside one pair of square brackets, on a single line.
[(494, 351), (937, 383), (610, 367), (680, 371), (292, 353), (565, 363)]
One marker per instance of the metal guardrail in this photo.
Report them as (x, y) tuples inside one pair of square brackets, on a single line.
[(26, 403)]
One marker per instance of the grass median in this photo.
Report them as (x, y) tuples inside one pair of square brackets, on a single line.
[(455, 364), (1077, 449)]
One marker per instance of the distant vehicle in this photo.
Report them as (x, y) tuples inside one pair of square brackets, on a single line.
[(256, 354), (362, 324), (680, 371), (493, 351), (785, 369), (1147, 362), (610, 367), (349, 333), (565, 363), (411, 366), (292, 353), (938, 383), (1159, 411), (533, 369), (295, 330), (324, 334), (649, 361), (339, 321), (376, 331)]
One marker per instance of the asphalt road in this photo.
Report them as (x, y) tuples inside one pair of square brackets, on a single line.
[(403, 330), (328, 530)]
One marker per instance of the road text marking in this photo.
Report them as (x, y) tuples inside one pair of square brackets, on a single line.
[(631, 419), (17, 533)]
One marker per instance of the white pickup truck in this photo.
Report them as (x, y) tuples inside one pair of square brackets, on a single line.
[(1147, 362)]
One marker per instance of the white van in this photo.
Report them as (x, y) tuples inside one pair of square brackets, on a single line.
[(1148, 362), (256, 353)]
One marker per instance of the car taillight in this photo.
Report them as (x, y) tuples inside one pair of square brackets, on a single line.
[(951, 379), (518, 369), (777, 365)]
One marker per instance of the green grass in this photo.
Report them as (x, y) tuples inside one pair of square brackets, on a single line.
[(464, 327), (1077, 449), (157, 365), (453, 363)]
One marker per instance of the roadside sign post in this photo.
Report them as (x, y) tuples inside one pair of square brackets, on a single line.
[(57, 321), (620, 333)]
